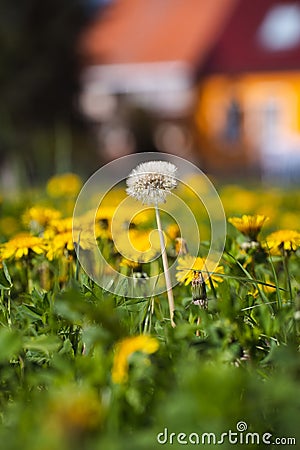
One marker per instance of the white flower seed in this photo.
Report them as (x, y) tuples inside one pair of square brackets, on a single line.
[(152, 181)]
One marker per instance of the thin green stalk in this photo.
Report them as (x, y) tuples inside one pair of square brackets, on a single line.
[(285, 260), (165, 267), (249, 276), (279, 301), (9, 309), (29, 276), (149, 314), (77, 268)]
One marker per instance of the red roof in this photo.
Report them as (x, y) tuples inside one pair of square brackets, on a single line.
[(240, 48), (216, 36), (138, 31)]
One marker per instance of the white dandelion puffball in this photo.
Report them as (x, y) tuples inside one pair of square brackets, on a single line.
[(150, 182)]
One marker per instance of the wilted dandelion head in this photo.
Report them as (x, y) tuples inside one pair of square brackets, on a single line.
[(150, 182)]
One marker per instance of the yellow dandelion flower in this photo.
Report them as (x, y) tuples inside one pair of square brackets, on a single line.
[(126, 218), (125, 348), (138, 245), (128, 263), (249, 225), (264, 288), (59, 243), (21, 245), (187, 264), (105, 212), (99, 225), (60, 225), (142, 217), (74, 408), (173, 231), (65, 185), (39, 216), (104, 216), (288, 240)]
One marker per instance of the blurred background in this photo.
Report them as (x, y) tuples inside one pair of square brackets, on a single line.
[(83, 82)]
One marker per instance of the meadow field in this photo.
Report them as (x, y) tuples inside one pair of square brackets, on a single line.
[(82, 367)]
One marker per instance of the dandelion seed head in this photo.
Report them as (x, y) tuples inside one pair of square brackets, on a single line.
[(152, 181)]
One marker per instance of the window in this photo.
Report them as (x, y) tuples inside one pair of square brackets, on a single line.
[(280, 29)]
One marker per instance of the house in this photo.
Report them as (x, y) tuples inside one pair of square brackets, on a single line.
[(249, 95), (217, 81)]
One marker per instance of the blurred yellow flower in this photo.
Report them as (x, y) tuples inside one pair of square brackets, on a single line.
[(67, 184), (138, 245), (264, 288), (125, 348), (173, 231), (39, 216), (102, 224), (21, 245), (187, 264), (60, 225), (9, 226), (288, 240), (125, 217), (128, 263), (250, 226), (105, 212), (74, 409), (235, 198), (194, 185), (59, 243), (287, 218), (142, 217)]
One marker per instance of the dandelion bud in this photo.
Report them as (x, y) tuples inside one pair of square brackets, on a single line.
[(181, 247), (199, 290)]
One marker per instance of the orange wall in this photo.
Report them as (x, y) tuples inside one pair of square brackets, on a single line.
[(255, 93)]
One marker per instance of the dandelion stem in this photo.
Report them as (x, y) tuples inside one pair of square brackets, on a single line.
[(165, 266), (9, 309), (285, 260)]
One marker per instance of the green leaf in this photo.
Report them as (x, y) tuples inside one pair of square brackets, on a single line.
[(43, 343), (5, 280), (10, 344)]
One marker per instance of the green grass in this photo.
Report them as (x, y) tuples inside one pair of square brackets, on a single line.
[(236, 361)]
